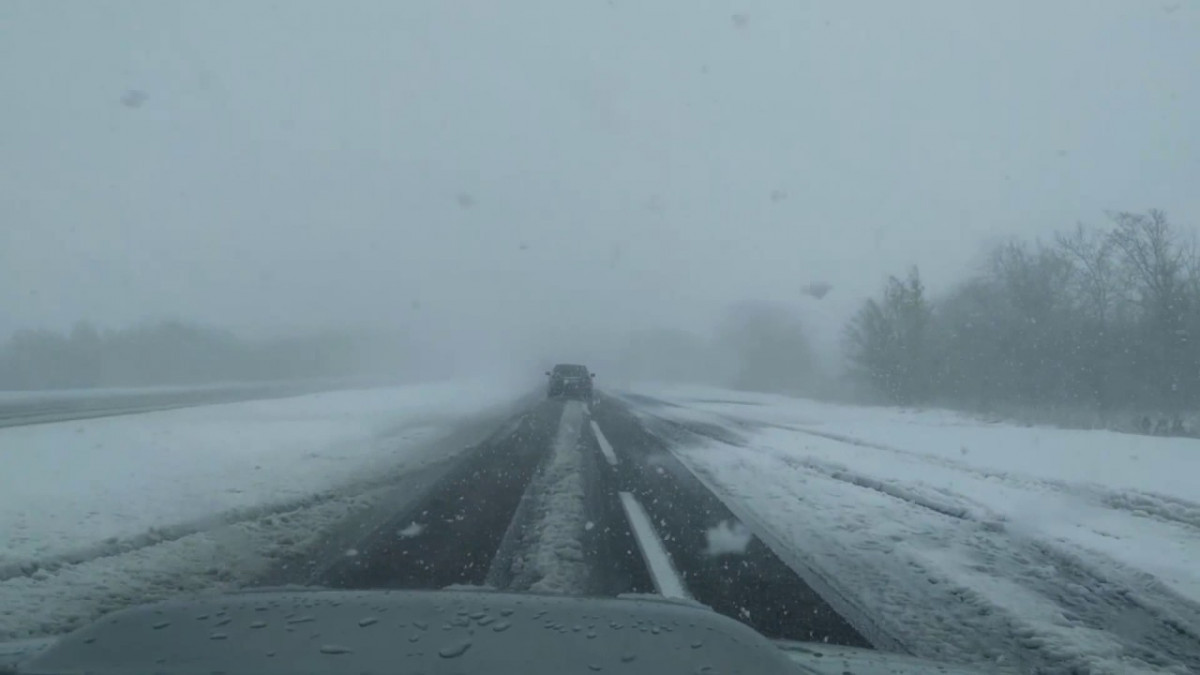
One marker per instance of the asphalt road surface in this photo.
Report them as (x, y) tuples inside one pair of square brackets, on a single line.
[(578, 498)]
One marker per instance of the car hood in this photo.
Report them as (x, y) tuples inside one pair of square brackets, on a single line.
[(461, 631)]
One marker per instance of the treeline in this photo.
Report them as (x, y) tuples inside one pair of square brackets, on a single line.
[(173, 353), (1102, 318)]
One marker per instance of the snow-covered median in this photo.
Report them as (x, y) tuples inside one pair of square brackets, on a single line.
[(99, 513), (1035, 548)]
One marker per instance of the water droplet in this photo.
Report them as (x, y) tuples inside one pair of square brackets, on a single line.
[(218, 636), (202, 617), (697, 644), (222, 622), (576, 628), (270, 654), (455, 650), (299, 619), (370, 620), (591, 635), (478, 615), (88, 641), (421, 624), (258, 624), (627, 658), (506, 612), (414, 637), (594, 666), (161, 625), (486, 620), (655, 630), (502, 626), (334, 649)]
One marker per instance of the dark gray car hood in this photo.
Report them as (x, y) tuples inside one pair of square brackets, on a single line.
[(286, 631)]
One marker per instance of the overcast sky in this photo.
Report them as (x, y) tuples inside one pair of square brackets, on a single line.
[(489, 168)]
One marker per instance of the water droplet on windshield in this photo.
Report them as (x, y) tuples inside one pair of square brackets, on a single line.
[(334, 649), (502, 626), (258, 624), (363, 623), (627, 658), (506, 612), (697, 644), (455, 650), (421, 624), (222, 622), (594, 666), (414, 637), (161, 625), (218, 636)]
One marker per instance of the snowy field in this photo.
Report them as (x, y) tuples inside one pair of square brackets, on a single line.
[(95, 514), (1039, 549)]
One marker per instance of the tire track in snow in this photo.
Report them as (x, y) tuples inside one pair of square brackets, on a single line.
[(1150, 624), (1164, 508), (1172, 510)]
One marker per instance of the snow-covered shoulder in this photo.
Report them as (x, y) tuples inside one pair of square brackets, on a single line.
[(101, 511), (989, 544)]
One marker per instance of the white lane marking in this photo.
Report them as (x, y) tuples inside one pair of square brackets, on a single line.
[(662, 572), (605, 447)]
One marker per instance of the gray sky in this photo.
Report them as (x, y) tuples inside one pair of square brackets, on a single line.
[(491, 168)]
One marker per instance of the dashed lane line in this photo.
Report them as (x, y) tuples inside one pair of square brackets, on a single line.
[(605, 446), (658, 562)]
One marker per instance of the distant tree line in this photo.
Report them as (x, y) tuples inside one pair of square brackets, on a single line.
[(1104, 318), (173, 353)]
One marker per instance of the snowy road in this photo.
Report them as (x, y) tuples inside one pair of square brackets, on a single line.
[(579, 499), (927, 533), (1043, 550)]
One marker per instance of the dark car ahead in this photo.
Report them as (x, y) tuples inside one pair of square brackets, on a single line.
[(570, 381)]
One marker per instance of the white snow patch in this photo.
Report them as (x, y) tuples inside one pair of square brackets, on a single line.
[(556, 557), (414, 529), (217, 560), (729, 537)]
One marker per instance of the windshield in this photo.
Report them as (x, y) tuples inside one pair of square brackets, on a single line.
[(874, 325)]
